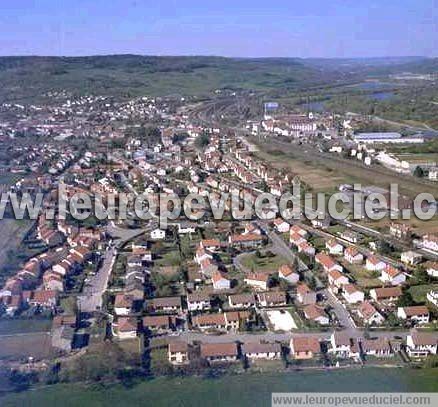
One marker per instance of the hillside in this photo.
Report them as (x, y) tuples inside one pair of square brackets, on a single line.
[(129, 75)]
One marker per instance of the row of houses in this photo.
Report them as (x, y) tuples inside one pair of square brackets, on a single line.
[(340, 346)]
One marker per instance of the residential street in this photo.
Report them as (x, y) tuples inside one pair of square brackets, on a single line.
[(91, 298), (341, 313)]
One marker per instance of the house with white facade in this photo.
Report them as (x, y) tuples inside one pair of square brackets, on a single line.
[(352, 294), (262, 350), (198, 301), (421, 344), (220, 282), (419, 314), (392, 275), (287, 273), (374, 264), (334, 247)]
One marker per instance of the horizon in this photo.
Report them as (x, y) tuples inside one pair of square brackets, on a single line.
[(245, 29), (217, 56)]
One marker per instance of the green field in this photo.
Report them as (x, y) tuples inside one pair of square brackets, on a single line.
[(18, 326), (12, 233), (246, 390), (263, 263), (419, 292)]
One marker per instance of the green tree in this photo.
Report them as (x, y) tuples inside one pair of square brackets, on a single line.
[(405, 300), (418, 172), (202, 141)]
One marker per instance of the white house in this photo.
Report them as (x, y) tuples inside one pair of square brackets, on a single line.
[(430, 242), (418, 314), (220, 282), (123, 304), (353, 256), (337, 279), (178, 353), (186, 228), (334, 247), (352, 294), (285, 272), (340, 344), (259, 281), (421, 344), (198, 301), (158, 234), (386, 294), (245, 300), (374, 264), (306, 248), (219, 352), (126, 328), (411, 258), (432, 270), (327, 263), (305, 295), (62, 267), (317, 314), (432, 296), (281, 225), (299, 230), (379, 347), (262, 350), (369, 314), (392, 275)]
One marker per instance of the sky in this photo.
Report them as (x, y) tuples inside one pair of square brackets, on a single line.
[(256, 28)]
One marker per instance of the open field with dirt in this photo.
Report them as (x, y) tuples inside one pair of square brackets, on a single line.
[(315, 177), (419, 227), (21, 346), (323, 171)]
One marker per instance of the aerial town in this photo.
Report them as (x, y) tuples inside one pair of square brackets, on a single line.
[(211, 294)]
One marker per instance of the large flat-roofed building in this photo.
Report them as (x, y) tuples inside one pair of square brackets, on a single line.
[(387, 137)]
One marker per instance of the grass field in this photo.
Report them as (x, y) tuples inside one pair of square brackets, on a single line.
[(264, 263), (364, 278), (324, 172), (14, 326), (325, 175), (22, 346), (418, 226), (419, 292), (9, 178), (320, 179), (12, 233), (243, 390)]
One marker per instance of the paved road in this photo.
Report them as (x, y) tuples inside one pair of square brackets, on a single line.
[(246, 337), (123, 235), (341, 312), (91, 298), (282, 249)]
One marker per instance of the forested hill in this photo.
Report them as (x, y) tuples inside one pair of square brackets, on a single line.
[(27, 78)]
